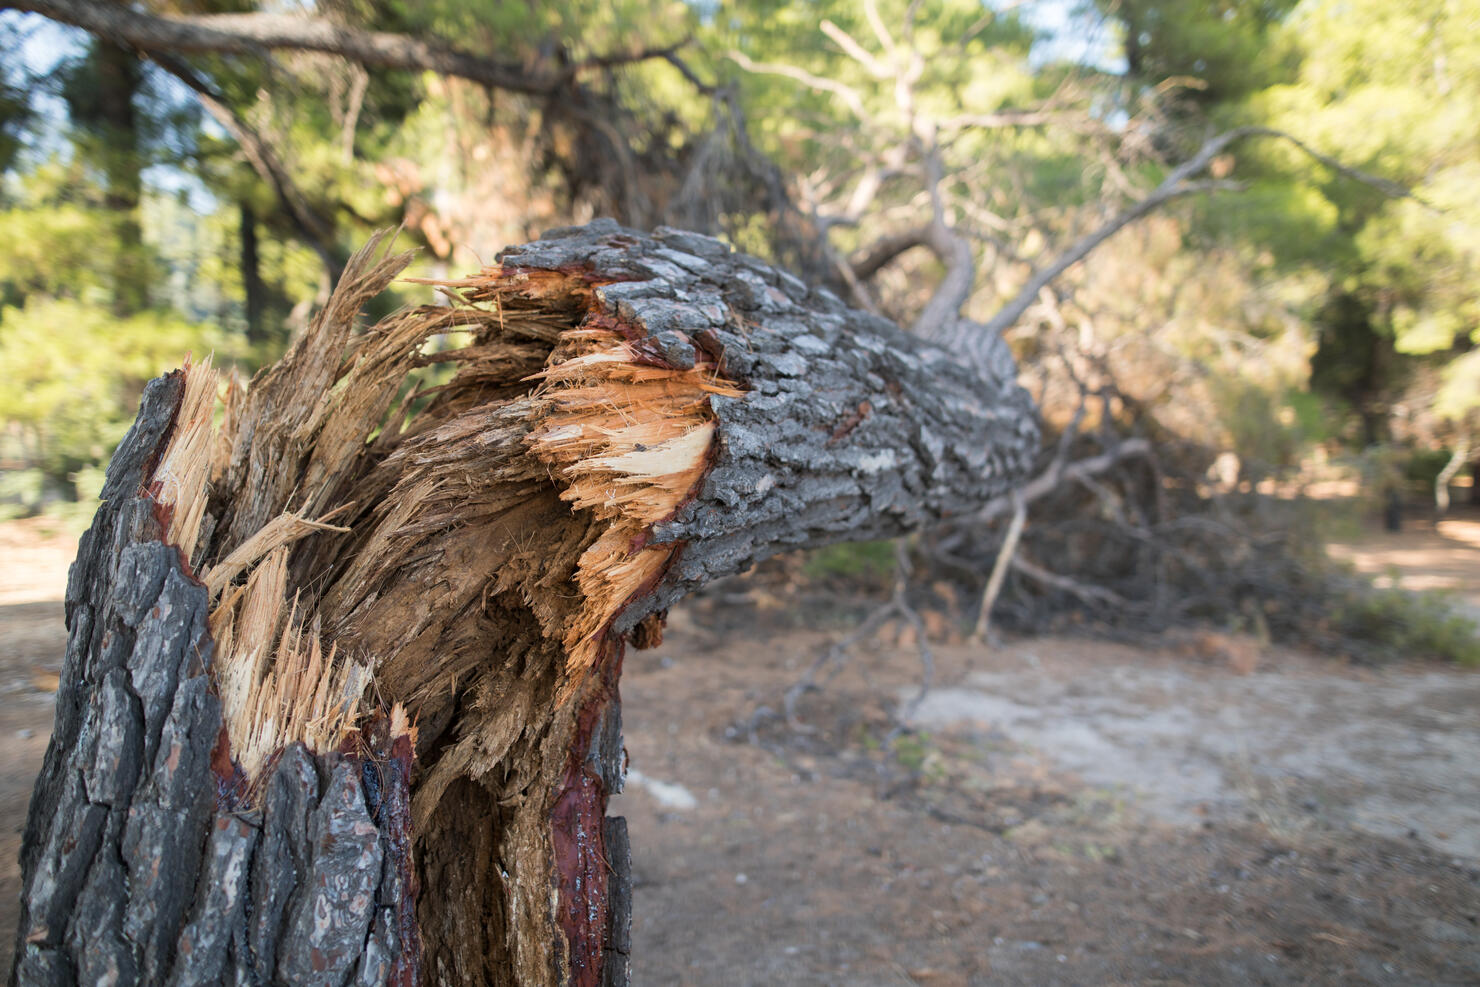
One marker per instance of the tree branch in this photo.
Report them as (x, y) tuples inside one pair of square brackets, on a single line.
[(871, 13), (847, 94), (1049, 480), (1177, 183), (310, 226), (1002, 118), (253, 34), (856, 51), (941, 313), (884, 250), (999, 570), (1085, 591)]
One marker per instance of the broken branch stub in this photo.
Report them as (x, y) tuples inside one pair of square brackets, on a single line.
[(412, 555)]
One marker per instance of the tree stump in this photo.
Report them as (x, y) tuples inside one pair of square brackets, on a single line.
[(340, 700)]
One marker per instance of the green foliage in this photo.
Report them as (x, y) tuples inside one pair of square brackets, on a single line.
[(1395, 89), (22, 492), (1222, 51), (1269, 431), (1399, 624), (74, 374), (54, 250), (27, 492), (1294, 222), (1457, 395), (1392, 89), (972, 63), (864, 561)]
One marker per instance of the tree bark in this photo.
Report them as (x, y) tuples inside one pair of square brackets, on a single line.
[(118, 84), (253, 290), (373, 668)]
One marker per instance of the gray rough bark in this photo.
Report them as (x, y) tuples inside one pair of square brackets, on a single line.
[(851, 430), (137, 865), (144, 863)]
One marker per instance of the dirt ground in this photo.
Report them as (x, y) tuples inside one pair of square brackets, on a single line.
[(1063, 812), (1424, 555)]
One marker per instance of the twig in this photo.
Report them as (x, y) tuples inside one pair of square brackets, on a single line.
[(836, 655), (256, 33), (927, 657), (856, 51), (1098, 594), (999, 569), (847, 94), (871, 14), (898, 608), (1049, 480)]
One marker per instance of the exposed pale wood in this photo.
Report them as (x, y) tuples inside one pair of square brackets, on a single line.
[(283, 530), (180, 478)]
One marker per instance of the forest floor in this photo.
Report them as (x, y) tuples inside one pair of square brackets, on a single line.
[(1063, 812)]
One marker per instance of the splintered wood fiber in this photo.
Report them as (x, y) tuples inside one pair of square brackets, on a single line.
[(363, 524)]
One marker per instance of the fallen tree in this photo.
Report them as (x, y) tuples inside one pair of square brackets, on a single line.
[(340, 700)]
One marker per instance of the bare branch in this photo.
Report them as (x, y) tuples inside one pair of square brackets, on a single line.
[(857, 290), (939, 316), (253, 34), (1086, 592), (705, 88), (359, 84), (616, 59), (999, 569), (847, 94), (836, 656), (1049, 480), (1177, 183), (871, 13), (979, 25), (883, 251), (1003, 118), (856, 51)]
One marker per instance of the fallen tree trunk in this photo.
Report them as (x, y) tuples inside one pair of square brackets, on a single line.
[(340, 696)]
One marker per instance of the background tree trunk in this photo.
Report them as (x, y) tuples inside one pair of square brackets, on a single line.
[(118, 84), (402, 605), (253, 290)]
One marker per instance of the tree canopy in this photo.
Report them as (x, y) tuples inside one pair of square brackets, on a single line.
[(183, 164)]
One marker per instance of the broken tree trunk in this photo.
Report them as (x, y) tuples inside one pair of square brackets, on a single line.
[(340, 696)]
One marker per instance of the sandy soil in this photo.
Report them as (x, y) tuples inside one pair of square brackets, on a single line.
[(34, 556), (1424, 555), (1064, 812)]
